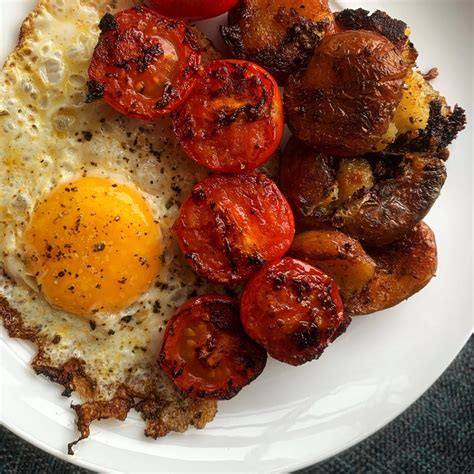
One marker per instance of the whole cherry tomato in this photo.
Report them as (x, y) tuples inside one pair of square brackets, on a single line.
[(193, 9), (233, 120), (293, 310), (144, 64), (206, 352), (232, 224)]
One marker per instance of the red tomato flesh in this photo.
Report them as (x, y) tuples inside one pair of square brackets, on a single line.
[(232, 224), (233, 120), (193, 9), (144, 65), (293, 310), (206, 352)]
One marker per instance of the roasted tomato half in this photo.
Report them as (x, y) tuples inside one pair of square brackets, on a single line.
[(144, 65), (206, 352), (293, 310), (193, 9), (232, 224), (233, 120)]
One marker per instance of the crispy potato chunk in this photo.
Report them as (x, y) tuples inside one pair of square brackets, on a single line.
[(379, 207), (396, 31), (354, 174), (338, 255), (308, 179), (280, 35), (343, 102), (403, 269)]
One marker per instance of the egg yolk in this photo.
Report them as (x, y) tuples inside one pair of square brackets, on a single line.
[(93, 246)]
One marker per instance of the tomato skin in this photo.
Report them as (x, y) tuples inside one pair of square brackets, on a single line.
[(233, 120), (144, 65), (232, 224), (193, 9), (206, 352), (293, 310)]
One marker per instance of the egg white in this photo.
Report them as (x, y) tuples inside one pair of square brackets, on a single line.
[(49, 135)]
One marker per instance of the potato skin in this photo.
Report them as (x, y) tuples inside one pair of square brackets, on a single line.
[(405, 188), (379, 22), (339, 256), (342, 104), (279, 35), (403, 269), (308, 178)]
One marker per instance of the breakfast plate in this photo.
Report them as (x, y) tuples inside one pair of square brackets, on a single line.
[(292, 417)]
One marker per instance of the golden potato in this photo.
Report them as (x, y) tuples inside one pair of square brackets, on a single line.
[(396, 31), (280, 35), (376, 199), (353, 174), (308, 179), (403, 269), (423, 121), (339, 256), (343, 102)]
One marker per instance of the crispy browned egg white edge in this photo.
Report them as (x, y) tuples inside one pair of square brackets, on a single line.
[(164, 409)]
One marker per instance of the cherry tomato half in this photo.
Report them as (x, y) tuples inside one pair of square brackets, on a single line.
[(232, 224), (293, 310), (193, 9), (233, 120), (206, 352), (144, 65)]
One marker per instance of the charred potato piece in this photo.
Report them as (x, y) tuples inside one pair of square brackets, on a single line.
[(308, 180), (343, 102), (403, 269), (394, 30), (280, 35), (423, 121), (404, 187), (339, 256)]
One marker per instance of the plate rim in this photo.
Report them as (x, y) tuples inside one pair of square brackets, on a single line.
[(461, 341), (77, 461)]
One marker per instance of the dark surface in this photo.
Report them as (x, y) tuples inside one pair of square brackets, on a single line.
[(435, 435)]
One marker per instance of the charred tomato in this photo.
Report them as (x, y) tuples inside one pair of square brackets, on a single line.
[(232, 224), (193, 9), (233, 120), (293, 310), (144, 64), (207, 353)]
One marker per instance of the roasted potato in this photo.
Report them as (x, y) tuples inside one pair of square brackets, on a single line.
[(422, 121), (396, 31), (403, 269), (280, 35), (376, 199), (343, 102), (339, 256)]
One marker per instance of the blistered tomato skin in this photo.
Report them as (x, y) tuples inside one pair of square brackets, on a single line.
[(206, 352), (192, 9), (233, 120), (293, 310), (231, 225), (144, 65)]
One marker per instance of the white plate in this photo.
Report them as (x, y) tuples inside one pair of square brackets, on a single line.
[(292, 417)]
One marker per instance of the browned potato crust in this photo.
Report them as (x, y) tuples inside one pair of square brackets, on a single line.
[(394, 30), (343, 103), (403, 269), (405, 186), (339, 256), (308, 180), (280, 35)]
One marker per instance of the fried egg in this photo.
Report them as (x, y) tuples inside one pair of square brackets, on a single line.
[(88, 268)]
